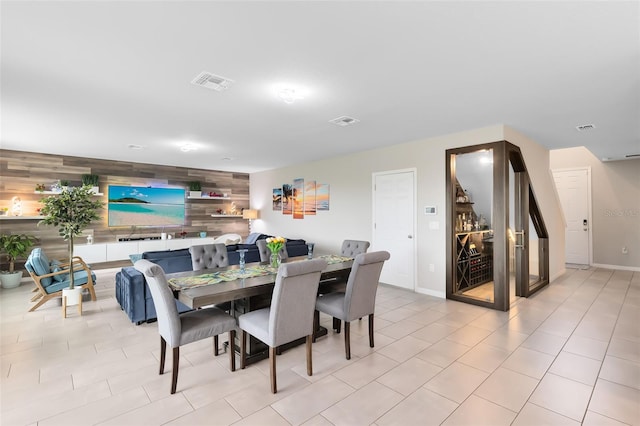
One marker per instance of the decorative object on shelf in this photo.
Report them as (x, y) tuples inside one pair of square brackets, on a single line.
[(203, 234), (64, 184), (16, 206), (14, 246), (71, 212), (89, 239), (40, 187), (233, 209), (195, 189), (183, 234), (250, 214), (219, 211), (91, 181), (275, 245), (3, 211), (56, 187)]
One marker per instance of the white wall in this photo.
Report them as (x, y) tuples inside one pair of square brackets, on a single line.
[(615, 199), (350, 211)]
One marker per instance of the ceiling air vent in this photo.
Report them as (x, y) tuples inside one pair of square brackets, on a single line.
[(344, 121), (632, 156), (212, 81), (585, 127)]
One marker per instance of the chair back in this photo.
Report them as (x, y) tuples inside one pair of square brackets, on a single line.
[(265, 253), (352, 248), (38, 264), (362, 285), (209, 256), (293, 301), (169, 325)]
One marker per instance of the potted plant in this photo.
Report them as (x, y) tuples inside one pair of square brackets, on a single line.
[(71, 212), (15, 246), (64, 184), (92, 181), (195, 189), (40, 187)]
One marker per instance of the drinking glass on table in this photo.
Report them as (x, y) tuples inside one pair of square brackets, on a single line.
[(310, 250), (241, 252)]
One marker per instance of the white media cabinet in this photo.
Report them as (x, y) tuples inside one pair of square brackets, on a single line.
[(110, 252)]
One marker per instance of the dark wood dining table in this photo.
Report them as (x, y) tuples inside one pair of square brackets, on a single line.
[(248, 293)]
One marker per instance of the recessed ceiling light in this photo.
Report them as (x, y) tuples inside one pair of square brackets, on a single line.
[(188, 146), (134, 146), (289, 95), (344, 121), (227, 159)]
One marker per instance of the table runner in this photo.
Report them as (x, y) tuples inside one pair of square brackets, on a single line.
[(210, 278)]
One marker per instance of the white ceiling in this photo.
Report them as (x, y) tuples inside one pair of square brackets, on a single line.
[(89, 78)]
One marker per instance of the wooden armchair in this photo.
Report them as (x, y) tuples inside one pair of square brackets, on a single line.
[(52, 277)]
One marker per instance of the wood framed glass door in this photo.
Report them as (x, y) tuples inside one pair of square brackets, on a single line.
[(491, 216)]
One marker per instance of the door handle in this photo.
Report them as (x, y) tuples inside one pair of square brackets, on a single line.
[(584, 225), (521, 235)]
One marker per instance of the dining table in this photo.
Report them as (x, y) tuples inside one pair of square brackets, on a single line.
[(249, 288)]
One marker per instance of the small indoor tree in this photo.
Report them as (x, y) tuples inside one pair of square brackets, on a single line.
[(71, 211)]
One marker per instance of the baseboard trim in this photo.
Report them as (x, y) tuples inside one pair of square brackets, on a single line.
[(623, 268), (434, 293)]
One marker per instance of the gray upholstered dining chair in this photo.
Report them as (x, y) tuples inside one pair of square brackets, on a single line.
[(290, 316), (352, 248), (209, 256), (180, 329), (265, 253), (359, 298)]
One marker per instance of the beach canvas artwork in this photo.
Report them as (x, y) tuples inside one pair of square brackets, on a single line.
[(298, 198), (141, 206), (322, 197), (287, 201), (277, 199), (310, 197)]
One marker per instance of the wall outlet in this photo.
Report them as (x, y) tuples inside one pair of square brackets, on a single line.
[(432, 267), (625, 250)]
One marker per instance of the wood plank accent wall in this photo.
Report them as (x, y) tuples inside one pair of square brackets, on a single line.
[(21, 171)]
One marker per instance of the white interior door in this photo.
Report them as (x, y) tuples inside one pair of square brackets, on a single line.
[(573, 190), (394, 225)]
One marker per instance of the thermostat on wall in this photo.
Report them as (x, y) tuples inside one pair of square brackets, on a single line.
[(430, 210)]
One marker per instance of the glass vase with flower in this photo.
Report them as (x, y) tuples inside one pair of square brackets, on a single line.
[(275, 244)]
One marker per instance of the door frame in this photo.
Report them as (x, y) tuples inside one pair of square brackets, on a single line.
[(414, 224), (589, 206)]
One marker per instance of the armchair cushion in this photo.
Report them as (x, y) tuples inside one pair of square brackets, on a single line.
[(56, 266), (80, 278), (39, 264)]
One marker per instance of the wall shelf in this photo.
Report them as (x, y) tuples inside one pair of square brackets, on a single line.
[(234, 216), (96, 194), (4, 217), (208, 198)]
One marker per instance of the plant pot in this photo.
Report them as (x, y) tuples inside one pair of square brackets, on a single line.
[(11, 279), (95, 189), (195, 194), (74, 296)]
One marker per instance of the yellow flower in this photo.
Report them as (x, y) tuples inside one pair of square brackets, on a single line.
[(275, 243)]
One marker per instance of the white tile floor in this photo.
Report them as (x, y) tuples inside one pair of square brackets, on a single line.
[(569, 355)]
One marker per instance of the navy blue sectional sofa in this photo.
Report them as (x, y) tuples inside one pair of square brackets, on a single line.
[(134, 296)]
